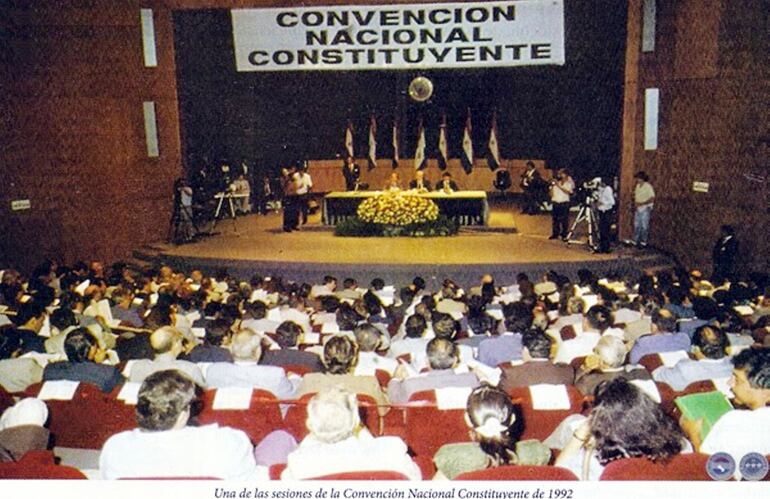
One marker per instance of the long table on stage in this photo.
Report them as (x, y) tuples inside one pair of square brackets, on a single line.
[(465, 207)]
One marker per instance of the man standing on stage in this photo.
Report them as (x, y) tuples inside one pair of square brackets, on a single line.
[(352, 172), (562, 188), (290, 184), (531, 183), (304, 186), (644, 196), (604, 203)]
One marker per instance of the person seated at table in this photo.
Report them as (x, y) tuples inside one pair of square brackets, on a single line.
[(419, 183), (447, 185), (393, 183)]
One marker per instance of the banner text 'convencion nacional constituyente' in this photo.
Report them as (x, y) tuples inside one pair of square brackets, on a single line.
[(438, 35)]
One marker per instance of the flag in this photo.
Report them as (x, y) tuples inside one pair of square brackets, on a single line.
[(372, 143), (349, 140), (493, 150), (443, 157), (419, 153), (467, 156), (395, 144)]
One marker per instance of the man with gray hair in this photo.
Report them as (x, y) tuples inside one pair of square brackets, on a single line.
[(246, 372), (443, 356)]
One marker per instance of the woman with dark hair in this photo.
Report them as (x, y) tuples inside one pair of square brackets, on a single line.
[(491, 417), (623, 423)]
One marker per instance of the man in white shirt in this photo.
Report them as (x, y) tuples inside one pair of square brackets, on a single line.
[(304, 186), (604, 204), (644, 197), (740, 431), (164, 446), (562, 188), (245, 370)]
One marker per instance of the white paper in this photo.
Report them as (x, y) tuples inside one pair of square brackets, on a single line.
[(45, 330), (649, 387), (456, 315), (3, 308), (590, 301), (258, 295), (193, 316), (127, 369), (129, 393), (311, 338), (153, 298), (723, 385), (274, 314), (4, 320), (324, 317), (232, 398), (81, 288), (496, 314), (199, 332), (549, 397), (329, 328), (113, 323), (204, 367), (138, 301), (104, 311), (669, 359), (58, 390), (744, 310), (626, 316), (452, 398)]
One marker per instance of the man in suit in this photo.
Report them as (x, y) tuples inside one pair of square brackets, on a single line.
[(419, 183), (724, 256), (536, 366), (287, 336), (447, 185), (532, 187), (82, 351), (245, 370), (352, 172)]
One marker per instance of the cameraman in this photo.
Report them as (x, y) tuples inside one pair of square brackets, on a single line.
[(605, 202), (562, 188)]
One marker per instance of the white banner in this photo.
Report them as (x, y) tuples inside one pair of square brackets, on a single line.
[(414, 36)]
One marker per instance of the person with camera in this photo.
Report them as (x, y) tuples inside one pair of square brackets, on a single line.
[(605, 202), (562, 187)]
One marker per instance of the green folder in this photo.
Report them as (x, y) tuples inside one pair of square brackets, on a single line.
[(709, 407)]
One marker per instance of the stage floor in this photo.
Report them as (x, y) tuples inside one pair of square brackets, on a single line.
[(512, 243), (511, 237)]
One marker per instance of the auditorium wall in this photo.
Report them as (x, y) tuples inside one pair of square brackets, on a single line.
[(73, 137), (710, 64)]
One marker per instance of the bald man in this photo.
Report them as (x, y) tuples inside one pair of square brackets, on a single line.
[(245, 372), (167, 344)]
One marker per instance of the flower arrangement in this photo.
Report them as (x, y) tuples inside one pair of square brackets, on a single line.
[(396, 208), (393, 214)]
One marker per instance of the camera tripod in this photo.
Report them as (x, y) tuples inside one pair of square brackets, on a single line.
[(182, 228), (586, 215)]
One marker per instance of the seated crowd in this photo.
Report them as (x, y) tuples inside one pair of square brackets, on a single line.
[(625, 347)]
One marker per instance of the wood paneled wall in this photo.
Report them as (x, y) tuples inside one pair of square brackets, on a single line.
[(711, 67), (73, 135)]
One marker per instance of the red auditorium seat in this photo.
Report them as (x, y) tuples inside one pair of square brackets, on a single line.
[(38, 465), (277, 469), (297, 415), (650, 362), (6, 400), (552, 473), (261, 418), (680, 467), (538, 424), (428, 427), (89, 419)]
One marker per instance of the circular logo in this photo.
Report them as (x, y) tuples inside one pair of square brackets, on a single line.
[(754, 466), (720, 466)]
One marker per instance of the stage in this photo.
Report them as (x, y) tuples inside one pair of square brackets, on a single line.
[(511, 243)]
